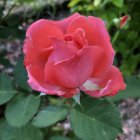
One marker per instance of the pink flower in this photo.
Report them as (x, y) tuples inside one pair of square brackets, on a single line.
[(63, 57)]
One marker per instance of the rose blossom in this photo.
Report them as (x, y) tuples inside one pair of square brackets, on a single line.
[(63, 57)]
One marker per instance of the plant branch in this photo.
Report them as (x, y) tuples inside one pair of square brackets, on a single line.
[(115, 37)]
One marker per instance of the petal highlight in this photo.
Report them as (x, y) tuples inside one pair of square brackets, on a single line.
[(107, 86)]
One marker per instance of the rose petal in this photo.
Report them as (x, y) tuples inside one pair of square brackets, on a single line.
[(63, 24), (72, 72), (69, 92), (78, 37), (37, 57), (36, 81), (62, 50), (37, 43), (107, 86), (38, 33), (96, 34)]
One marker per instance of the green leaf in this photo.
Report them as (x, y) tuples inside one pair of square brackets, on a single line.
[(21, 109), (62, 138), (1, 127), (20, 75), (7, 90), (96, 2), (73, 3), (49, 116), (118, 3), (59, 138), (132, 89), (98, 120), (27, 132)]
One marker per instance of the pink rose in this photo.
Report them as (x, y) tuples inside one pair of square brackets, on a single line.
[(63, 57)]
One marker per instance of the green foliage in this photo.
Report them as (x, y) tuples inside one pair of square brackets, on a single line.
[(27, 132), (50, 115), (98, 119), (24, 1), (20, 75), (127, 42), (118, 3), (7, 90), (73, 3), (59, 138), (21, 109)]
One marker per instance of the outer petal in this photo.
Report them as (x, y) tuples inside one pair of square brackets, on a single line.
[(39, 32), (73, 72), (63, 24), (36, 81), (107, 86), (96, 34), (37, 40), (38, 58)]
